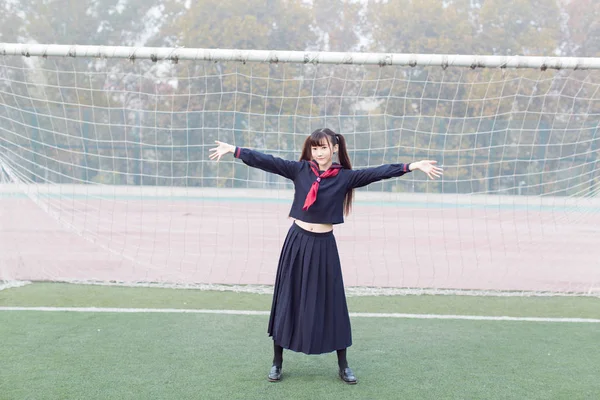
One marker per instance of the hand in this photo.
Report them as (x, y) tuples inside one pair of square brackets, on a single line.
[(429, 168), (218, 152)]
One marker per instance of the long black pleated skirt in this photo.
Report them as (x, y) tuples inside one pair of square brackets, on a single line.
[(309, 312)]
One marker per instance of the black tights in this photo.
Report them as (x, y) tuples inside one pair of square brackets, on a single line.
[(342, 362), (278, 357)]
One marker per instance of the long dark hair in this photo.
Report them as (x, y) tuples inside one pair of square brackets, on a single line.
[(332, 138)]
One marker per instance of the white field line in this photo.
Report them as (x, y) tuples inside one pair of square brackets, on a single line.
[(250, 312), (12, 284)]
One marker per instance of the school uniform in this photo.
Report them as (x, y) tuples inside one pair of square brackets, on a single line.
[(309, 313)]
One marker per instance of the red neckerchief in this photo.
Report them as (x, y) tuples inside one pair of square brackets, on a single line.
[(311, 197)]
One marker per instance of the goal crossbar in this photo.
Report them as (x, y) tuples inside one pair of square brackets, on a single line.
[(174, 54)]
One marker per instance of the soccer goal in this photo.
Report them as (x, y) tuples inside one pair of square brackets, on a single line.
[(105, 175)]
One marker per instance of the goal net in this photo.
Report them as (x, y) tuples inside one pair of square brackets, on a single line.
[(105, 175)]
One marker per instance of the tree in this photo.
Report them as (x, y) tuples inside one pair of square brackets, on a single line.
[(339, 24), (583, 27), (423, 26), (518, 27)]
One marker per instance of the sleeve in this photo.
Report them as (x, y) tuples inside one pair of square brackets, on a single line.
[(363, 177), (287, 169)]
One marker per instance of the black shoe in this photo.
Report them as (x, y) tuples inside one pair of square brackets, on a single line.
[(347, 376), (275, 374)]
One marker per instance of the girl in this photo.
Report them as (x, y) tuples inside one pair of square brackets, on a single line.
[(309, 312)]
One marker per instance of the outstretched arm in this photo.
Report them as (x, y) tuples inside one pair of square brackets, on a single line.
[(363, 177), (287, 169)]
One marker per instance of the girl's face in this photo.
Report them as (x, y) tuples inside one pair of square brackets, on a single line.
[(323, 154)]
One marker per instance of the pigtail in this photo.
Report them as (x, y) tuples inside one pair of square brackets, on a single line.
[(345, 162)]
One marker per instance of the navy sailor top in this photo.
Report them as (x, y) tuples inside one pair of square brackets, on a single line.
[(329, 206)]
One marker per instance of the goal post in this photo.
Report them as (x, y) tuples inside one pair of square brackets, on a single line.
[(105, 175)]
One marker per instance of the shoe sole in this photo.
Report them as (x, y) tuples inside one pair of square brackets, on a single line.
[(348, 382)]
